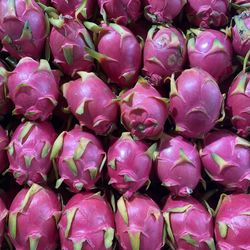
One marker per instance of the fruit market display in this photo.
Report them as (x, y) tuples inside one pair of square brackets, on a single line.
[(124, 124)]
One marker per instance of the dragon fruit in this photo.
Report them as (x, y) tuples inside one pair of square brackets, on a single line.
[(83, 97), (120, 11), (226, 159), (232, 222), (162, 11), (143, 111), (79, 157), (208, 13), (120, 63), (164, 53), (189, 225), (211, 51), (4, 141), (195, 103), (68, 42), (33, 217), (178, 165), (139, 224), (129, 164), (3, 215), (23, 28), (33, 87), (87, 222), (29, 152)]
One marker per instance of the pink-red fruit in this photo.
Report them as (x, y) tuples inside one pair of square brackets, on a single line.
[(4, 141), (3, 216)]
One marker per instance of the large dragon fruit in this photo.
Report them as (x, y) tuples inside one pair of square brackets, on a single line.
[(139, 224), (189, 224), (164, 53), (3, 215), (119, 54), (68, 42), (33, 87), (195, 102), (226, 158), (92, 103), (87, 222), (120, 11), (129, 164), (4, 141), (143, 111), (162, 11), (79, 157), (212, 51), (33, 217), (29, 152), (178, 165), (208, 13), (232, 222), (23, 28)]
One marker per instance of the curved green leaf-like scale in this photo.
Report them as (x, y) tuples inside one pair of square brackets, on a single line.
[(26, 129), (121, 205), (45, 150), (35, 188), (223, 228), (190, 240), (70, 217), (34, 241), (109, 237), (220, 161), (81, 148), (135, 240), (68, 52), (72, 166), (112, 164), (93, 173), (57, 146), (12, 224), (27, 32)]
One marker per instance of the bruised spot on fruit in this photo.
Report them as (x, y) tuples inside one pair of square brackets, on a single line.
[(172, 60), (163, 41)]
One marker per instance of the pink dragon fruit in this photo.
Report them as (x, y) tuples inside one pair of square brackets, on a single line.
[(3, 215), (23, 28), (79, 157), (129, 164), (164, 53), (189, 225), (4, 141), (120, 63), (33, 217), (29, 152), (67, 43), (143, 111), (162, 11), (139, 224), (211, 51), (87, 222), (120, 11), (195, 103), (226, 159), (232, 222), (208, 13), (33, 87), (83, 97), (178, 165)]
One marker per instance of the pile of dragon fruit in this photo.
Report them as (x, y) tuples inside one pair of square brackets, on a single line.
[(124, 124)]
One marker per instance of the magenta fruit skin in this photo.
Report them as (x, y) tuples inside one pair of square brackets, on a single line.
[(226, 159), (29, 152), (92, 102), (79, 158), (212, 51), (87, 222), (139, 222), (178, 165), (164, 54), (195, 103), (3, 216), (4, 141)]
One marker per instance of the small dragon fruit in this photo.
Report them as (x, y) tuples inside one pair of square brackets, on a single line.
[(23, 28), (232, 222), (33, 217), (208, 13), (163, 11), (4, 141), (79, 157), (143, 111), (3, 215), (195, 103), (68, 43), (211, 51), (29, 152), (178, 165), (164, 53), (226, 159), (33, 87), (87, 222), (120, 11), (92, 103), (119, 53), (189, 225), (139, 224), (129, 164)]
